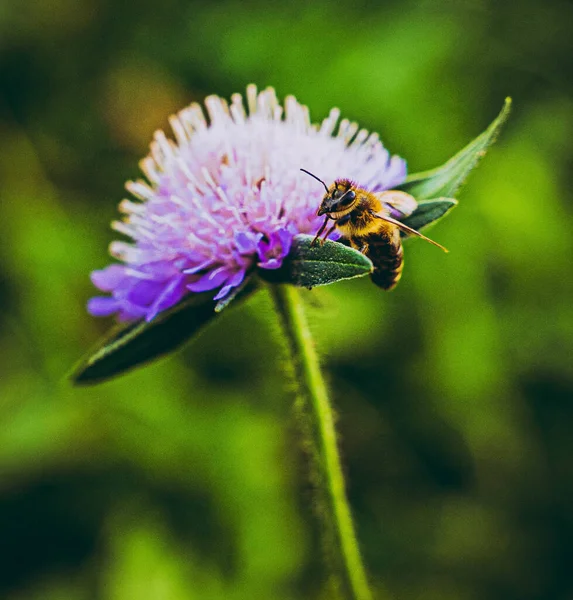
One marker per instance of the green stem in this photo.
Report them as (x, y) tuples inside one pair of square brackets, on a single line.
[(317, 406)]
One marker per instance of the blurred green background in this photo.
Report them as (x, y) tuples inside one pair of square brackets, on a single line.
[(454, 392)]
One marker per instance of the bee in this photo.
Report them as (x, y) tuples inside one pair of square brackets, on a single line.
[(365, 219)]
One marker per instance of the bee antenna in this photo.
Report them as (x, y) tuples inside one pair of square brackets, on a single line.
[(317, 178)]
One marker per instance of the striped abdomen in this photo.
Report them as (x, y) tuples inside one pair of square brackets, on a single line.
[(387, 256)]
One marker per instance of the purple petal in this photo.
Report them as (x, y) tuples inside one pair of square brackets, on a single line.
[(144, 292), (236, 278), (210, 281), (171, 294), (109, 278), (130, 311), (222, 292), (285, 238), (246, 241), (272, 252), (102, 306), (272, 263), (234, 281), (199, 267), (265, 249), (159, 270)]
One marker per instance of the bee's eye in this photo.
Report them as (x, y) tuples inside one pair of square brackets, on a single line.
[(348, 198)]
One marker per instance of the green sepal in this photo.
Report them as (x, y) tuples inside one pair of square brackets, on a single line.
[(133, 344), (321, 264), (428, 212), (447, 179)]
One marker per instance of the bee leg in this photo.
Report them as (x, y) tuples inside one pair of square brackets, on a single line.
[(319, 232), (363, 248), (328, 232)]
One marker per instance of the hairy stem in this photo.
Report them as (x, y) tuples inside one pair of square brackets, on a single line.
[(317, 410)]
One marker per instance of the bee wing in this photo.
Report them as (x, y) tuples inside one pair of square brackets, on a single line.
[(399, 204), (405, 228)]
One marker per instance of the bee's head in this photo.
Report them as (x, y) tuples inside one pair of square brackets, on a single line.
[(339, 199)]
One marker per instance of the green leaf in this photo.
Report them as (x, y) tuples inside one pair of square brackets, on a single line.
[(131, 345), (447, 179), (429, 212), (309, 266)]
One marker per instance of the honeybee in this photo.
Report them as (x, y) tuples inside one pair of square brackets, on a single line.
[(363, 218)]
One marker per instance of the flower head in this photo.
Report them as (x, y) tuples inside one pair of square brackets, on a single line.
[(228, 196)]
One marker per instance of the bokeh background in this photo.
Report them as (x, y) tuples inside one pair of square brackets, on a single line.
[(454, 392)]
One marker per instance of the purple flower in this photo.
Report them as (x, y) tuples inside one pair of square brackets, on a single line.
[(227, 196)]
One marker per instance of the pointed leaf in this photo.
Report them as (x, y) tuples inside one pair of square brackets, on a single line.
[(309, 266), (128, 346), (446, 180), (429, 212)]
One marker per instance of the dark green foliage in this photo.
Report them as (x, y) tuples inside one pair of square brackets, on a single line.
[(131, 345)]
